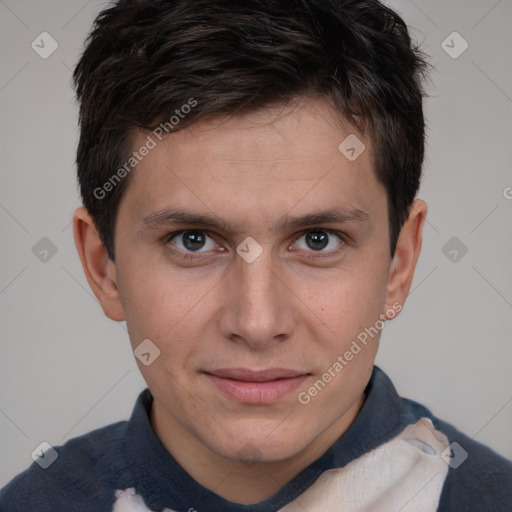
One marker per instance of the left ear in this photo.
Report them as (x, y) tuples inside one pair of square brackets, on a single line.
[(99, 270), (408, 247)]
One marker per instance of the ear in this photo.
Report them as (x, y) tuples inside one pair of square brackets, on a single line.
[(99, 270), (408, 247)]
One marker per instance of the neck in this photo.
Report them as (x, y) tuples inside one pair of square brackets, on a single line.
[(239, 481)]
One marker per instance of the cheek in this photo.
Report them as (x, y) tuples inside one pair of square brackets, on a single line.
[(174, 320), (161, 305), (348, 301), (350, 305)]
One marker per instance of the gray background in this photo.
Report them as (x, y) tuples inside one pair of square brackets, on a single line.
[(66, 369)]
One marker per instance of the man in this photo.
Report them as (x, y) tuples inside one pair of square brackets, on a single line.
[(249, 175)]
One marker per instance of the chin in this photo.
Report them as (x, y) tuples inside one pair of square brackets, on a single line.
[(254, 449)]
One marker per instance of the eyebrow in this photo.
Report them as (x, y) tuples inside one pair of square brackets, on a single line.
[(178, 216)]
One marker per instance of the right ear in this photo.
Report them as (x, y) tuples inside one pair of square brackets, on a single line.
[(99, 269)]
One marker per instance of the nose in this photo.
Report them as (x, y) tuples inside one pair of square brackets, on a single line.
[(259, 309)]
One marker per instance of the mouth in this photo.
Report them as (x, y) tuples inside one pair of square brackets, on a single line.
[(256, 387)]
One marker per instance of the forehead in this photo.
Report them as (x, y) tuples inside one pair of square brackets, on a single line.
[(257, 163)]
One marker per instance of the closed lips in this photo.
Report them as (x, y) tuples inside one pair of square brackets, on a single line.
[(243, 374)]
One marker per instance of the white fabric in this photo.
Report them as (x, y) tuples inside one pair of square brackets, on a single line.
[(405, 474), (128, 501)]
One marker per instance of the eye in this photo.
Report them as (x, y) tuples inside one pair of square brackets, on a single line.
[(192, 241), (318, 240)]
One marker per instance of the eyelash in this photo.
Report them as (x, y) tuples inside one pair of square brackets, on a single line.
[(198, 255)]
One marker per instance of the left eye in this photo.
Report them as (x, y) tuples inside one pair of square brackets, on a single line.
[(193, 241), (318, 240)]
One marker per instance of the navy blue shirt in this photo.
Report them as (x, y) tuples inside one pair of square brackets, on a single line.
[(395, 456)]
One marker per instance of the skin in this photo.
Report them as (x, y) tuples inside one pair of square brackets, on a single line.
[(293, 307)]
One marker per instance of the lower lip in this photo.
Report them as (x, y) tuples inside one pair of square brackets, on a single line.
[(257, 392)]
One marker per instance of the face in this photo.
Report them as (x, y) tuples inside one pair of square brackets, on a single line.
[(252, 252)]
